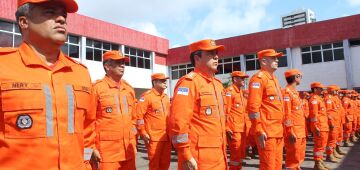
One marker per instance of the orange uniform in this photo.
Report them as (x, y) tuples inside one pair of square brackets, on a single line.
[(43, 111), (318, 122), (152, 116), (197, 121), (115, 130), (333, 111), (349, 116), (235, 123), (265, 108), (295, 124), (341, 120)]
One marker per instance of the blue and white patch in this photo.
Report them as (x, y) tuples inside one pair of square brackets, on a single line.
[(256, 85), (183, 91), (314, 102), (141, 99), (24, 121), (228, 94), (286, 98)]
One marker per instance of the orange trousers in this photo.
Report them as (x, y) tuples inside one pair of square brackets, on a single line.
[(319, 145), (295, 153), (207, 158), (340, 136), (332, 138), (355, 124), (347, 130), (271, 156), (159, 153), (121, 165), (237, 150)]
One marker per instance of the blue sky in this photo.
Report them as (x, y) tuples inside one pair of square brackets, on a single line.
[(186, 21)]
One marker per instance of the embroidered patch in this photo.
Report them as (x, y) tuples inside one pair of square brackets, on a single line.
[(141, 99), (286, 98), (314, 102), (228, 94), (183, 91), (256, 85), (271, 97), (108, 110), (208, 111), (237, 105), (328, 101), (24, 121)]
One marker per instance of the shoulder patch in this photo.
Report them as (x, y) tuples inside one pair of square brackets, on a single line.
[(228, 94), (255, 85), (314, 102), (286, 98), (183, 91), (142, 99), (260, 74), (328, 101)]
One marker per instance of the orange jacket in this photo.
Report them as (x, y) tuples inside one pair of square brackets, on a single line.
[(265, 105), (349, 109), (294, 113), (341, 109), (305, 104), (197, 117), (235, 109), (152, 115), (318, 115), (43, 111), (115, 130), (333, 110)]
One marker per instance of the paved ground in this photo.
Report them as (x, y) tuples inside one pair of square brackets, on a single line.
[(350, 162)]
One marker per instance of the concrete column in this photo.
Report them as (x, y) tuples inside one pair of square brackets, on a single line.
[(82, 58), (348, 64), (290, 61)]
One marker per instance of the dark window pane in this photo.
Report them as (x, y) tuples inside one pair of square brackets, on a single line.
[(236, 66), (227, 68), (64, 49), (339, 54), (328, 55), (182, 73), (189, 70), (305, 49), (236, 59), (338, 44), (257, 65), (140, 53), (132, 51), (132, 61), (6, 39), (174, 75), (316, 47), (140, 62), (89, 54), (326, 46), (283, 61), (146, 54), (73, 39), (97, 55), (226, 60), (97, 44), (74, 51), (221, 61), (174, 67), (249, 57), (355, 42), (316, 57), (127, 63), (127, 50), (250, 65), (106, 46), (17, 40), (89, 42), (306, 58), (189, 65), (114, 47), (220, 69), (182, 66), (147, 64), (17, 29), (6, 26)]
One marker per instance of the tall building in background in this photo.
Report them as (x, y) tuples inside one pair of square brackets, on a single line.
[(298, 17)]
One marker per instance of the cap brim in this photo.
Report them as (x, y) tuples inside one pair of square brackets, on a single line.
[(126, 59), (275, 55), (217, 48), (70, 5)]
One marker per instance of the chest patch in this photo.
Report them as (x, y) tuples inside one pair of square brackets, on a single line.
[(24, 121)]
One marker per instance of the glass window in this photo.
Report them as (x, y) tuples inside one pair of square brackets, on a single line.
[(73, 39), (236, 66), (74, 51), (227, 68), (220, 69), (338, 44), (147, 64), (328, 55), (305, 49), (6, 26), (17, 40), (316, 57), (339, 54), (283, 61), (314, 48), (97, 55), (250, 65), (174, 75), (106, 46), (147, 54), (89, 54), (6, 39), (140, 62), (141, 58), (115, 47), (306, 58), (97, 44), (326, 46), (327, 52), (182, 73), (132, 61)]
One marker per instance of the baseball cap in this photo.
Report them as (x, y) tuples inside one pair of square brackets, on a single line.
[(70, 5), (292, 72), (316, 85), (239, 74), (205, 45), (269, 53), (115, 55), (158, 76)]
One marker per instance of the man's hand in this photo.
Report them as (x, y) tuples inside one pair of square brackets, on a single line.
[(190, 164), (292, 138), (95, 159), (262, 139), (146, 139), (317, 132), (229, 135), (331, 127)]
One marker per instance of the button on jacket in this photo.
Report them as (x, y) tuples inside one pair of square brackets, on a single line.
[(43, 111)]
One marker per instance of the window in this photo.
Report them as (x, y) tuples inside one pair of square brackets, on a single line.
[(354, 42), (95, 49), (228, 65), (138, 58), (9, 34), (283, 59), (181, 70), (72, 46), (322, 53), (252, 62)]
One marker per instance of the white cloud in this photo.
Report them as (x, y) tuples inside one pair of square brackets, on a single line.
[(146, 27), (354, 2)]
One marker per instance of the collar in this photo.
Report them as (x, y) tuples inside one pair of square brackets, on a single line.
[(202, 74), (267, 74), (112, 83), (236, 88), (153, 90)]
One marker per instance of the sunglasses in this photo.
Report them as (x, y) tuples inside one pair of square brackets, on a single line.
[(298, 76)]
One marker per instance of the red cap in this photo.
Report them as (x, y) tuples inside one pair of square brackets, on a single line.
[(239, 74), (292, 72), (332, 87), (269, 53), (115, 55), (158, 76), (316, 85), (70, 5), (205, 45)]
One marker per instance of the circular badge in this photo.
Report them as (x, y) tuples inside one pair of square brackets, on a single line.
[(24, 121), (109, 110), (237, 105), (271, 97), (208, 111)]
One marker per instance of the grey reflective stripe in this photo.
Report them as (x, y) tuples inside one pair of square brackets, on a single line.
[(117, 103), (163, 107), (222, 103), (234, 163), (318, 153), (126, 105), (254, 115), (70, 106), (182, 138), (217, 104), (87, 153), (48, 111), (313, 119), (140, 122)]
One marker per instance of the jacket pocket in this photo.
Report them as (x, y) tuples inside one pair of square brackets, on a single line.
[(210, 149), (83, 100), (208, 107)]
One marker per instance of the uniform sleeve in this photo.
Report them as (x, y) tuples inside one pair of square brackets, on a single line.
[(313, 114), (256, 91), (141, 110), (89, 127), (346, 106), (180, 116), (288, 116), (229, 99), (331, 112), (306, 108)]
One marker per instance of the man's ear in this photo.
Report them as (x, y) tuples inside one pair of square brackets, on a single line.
[(23, 22)]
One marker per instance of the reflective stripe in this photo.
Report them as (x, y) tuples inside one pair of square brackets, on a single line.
[(222, 103), (87, 153), (318, 153), (254, 115), (117, 103), (48, 111), (182, 138), (234, 163), (338, 143), (217, 104), (134, 130), (313, 119), (140, 122), (70, 106), (126, 105), (329, 148)]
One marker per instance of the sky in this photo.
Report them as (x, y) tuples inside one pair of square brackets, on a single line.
[(186, 21)]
